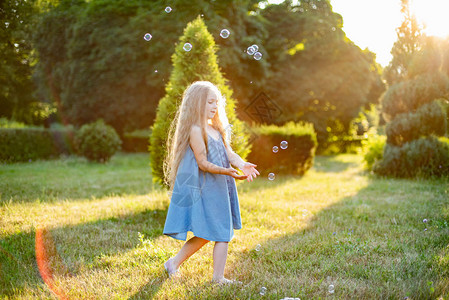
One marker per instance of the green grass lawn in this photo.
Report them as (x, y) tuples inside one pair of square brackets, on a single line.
[(335, 225)]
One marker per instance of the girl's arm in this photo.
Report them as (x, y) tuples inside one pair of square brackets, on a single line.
[(235, 159), (199, 150)]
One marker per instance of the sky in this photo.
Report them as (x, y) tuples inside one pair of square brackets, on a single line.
[(372, 23)]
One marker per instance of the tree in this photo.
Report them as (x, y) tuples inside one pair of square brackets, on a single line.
[(416, 118), (317, 74), (409, 41), (198, 64), (16, 86)]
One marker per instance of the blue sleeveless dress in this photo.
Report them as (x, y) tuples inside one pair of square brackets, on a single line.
[(202, 202)]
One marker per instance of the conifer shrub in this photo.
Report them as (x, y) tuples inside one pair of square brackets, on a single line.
[(200, 63), (423, 157), (428, 119)]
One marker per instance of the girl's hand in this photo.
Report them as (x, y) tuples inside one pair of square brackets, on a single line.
[(250, 171), (234, 173)]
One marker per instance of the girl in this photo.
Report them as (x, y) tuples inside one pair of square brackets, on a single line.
[(198, 170)]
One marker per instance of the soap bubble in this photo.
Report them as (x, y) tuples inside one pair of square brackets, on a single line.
[(168, 9), (263, 290), (284, 145), (250, 50), (305, 212), (155, 71), (275, 149), (187, 47), (256, 48), (331, 289), (258, 246), (257, 56), (425, 220), (147, 37), (271, 176), (225, 33)]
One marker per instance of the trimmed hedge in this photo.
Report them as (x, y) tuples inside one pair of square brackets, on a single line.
[(423, 157), (136, 141), (295, 160), (23, 144), (428, 119)]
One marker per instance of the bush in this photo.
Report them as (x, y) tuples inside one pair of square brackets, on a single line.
[(428, 119), (411, 94), (5, 123), (97, 141), (423, 157), (373, 149), (23, 144), (136, 141), (296, 159)]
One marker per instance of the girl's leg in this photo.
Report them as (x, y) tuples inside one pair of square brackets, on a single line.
[(190, 247), (220, 255)]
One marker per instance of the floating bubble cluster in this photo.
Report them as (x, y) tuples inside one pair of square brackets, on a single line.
[(225, 33), (250, 50), (187, 47), (147, 37), (257, 56)]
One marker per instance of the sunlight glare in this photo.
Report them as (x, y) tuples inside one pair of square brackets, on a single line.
[(433, 15)]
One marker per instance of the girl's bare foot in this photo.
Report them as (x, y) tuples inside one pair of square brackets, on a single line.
[(224, 281), (170, 268)]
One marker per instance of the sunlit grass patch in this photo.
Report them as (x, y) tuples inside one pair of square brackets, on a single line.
[(335, 225)]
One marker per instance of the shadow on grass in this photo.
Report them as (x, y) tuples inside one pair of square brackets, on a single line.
[(369, 246), (87, 241)]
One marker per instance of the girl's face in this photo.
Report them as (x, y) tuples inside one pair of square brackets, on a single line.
[(211, 104)]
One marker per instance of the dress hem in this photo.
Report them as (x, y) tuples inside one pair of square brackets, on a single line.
[(208, 239)]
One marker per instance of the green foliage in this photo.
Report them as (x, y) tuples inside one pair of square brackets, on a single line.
[(373, 149), (25, 144), (94, 63), (97, 141), (198, 64), (17, 100), (423, 157), (428, 119), (409, 95), (136, 141), (5, 123), (296, 159), (328, 80), (413, 106), (408, 43)]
